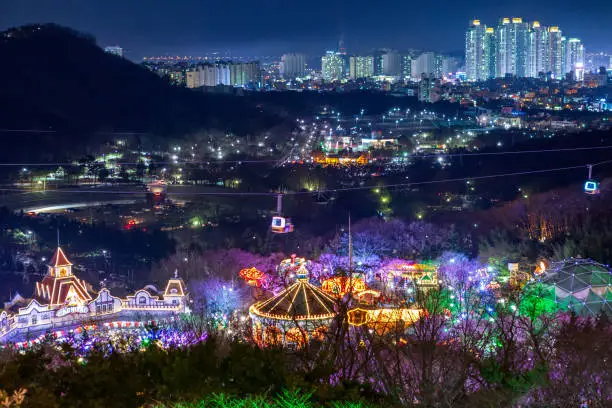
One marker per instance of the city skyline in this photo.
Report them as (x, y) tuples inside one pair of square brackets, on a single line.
[(521, 48), (193, 28)]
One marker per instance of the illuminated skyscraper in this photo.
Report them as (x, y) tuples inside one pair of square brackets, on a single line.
[(574, 55), (475, 68), (555, 52), (520, 38), (332, 66), (520, 49), (512, 48), (489, 52), (538, 50), (502, 48), (361, 67)]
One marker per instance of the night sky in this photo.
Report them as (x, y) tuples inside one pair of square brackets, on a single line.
[(247, 27)]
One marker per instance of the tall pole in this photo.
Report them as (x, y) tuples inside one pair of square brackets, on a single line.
[(350, 243)]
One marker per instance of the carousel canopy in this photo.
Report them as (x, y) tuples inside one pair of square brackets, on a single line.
[(300, 301)]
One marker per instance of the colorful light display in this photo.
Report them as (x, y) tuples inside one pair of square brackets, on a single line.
[(420, 274), (301, 306), (578, 285), (341, 285), (383, 320), (119, 336), (62, 301), (291, 267), (252, 276)]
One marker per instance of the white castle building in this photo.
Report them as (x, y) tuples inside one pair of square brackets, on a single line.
[(62, 302)]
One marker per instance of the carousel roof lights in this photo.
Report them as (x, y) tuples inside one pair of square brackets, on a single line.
[(300, 301)]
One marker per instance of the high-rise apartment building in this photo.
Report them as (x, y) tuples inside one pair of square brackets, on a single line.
[(555, 52), (426, 86), (224, 73), (332, 66), (244, 73), (574, 55), (593, 61), (406, 68), (378, 62), (519, 49), (424, 64), (538, 50), (292, 65), (391, 63), (361, 67), (489, 52), (512, 47), (480, 49), (475, 65)]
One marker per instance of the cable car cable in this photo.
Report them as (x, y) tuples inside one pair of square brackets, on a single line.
[(333, 190)]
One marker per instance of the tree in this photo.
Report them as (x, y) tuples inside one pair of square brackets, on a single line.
[(124, 175), (103, 174), (140, 170)]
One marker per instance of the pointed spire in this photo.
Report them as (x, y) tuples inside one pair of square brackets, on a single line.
[(59, 259), (176, 274)]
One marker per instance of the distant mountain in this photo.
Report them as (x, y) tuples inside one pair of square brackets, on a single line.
[(52, 77)]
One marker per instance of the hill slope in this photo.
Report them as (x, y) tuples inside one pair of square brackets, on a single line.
[(53, 77)]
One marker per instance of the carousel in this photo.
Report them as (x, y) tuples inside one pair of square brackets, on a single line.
[(291, 267), (300, 313)]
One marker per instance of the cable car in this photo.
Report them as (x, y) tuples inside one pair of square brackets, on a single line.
[(591, 186), (280, 224)]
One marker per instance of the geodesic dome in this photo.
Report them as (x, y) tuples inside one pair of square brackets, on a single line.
[(581, 285)]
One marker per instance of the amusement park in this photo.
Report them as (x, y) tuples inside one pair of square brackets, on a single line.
[(389, 311), (371, 317)]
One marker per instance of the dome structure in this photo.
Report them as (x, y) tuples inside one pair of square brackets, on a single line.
[(294, 316), (579, 285)]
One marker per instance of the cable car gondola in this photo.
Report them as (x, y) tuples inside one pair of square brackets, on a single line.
[(280, 224), (591, 186)]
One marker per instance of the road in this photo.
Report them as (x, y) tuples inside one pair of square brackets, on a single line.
[(87, 196)]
